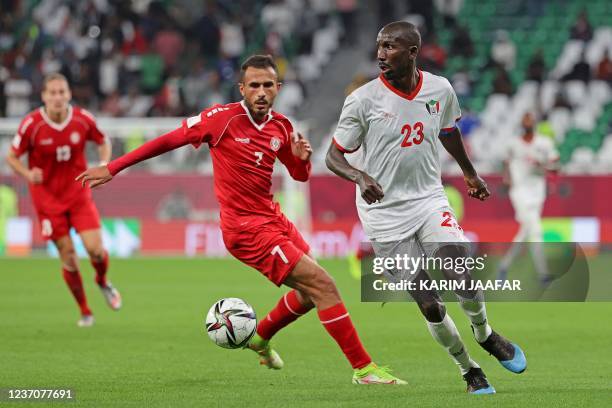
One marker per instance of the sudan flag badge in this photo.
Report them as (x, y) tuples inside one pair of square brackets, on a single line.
[(433, 107)]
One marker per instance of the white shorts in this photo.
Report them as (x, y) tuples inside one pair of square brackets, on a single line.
[(439, 229), (527, 209)]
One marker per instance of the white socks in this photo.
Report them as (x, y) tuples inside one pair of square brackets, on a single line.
[(476, 311), (445, 333)]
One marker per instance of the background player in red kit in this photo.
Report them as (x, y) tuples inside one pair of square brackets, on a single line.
[(54, 138), (245, 138)]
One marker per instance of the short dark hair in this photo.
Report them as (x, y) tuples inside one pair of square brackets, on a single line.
[(406, 31), (258, 61), (52, 77)]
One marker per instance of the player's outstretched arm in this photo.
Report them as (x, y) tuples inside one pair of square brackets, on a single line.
[(371, 191), (453, 144), (103, 174)]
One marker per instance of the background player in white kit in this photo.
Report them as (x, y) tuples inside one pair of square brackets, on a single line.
[(396, 120), (528, 158)]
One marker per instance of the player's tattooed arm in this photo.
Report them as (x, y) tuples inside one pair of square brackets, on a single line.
[(33, 175), (371, 191), (477, 187)]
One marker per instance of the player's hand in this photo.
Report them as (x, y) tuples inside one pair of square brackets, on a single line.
[(371, 191), (477, 188), (300, 147), (35, 175), (96, 176)]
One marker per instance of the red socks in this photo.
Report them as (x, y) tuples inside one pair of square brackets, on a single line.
[(101, 268), (335, 319), (75, 284), (286, 311), (338, 324)]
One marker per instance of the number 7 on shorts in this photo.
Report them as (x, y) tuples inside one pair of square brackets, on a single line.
[(277, 250)]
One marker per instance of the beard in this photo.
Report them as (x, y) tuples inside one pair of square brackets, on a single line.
[(396, 73), (257, 110)]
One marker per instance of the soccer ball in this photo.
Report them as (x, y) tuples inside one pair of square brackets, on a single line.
[(231, 322)]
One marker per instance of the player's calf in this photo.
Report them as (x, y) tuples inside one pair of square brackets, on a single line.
[(100, 265), (288, 309)]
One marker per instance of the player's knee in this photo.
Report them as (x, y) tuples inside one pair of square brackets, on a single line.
[(433, 310), (69, 259), (96, 254)]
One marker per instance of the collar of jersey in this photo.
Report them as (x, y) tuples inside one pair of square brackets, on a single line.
[(248, 113), (404, 95), (54, 125)]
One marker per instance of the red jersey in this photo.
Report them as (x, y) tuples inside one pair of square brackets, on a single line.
[(58, 149), (243, 154)]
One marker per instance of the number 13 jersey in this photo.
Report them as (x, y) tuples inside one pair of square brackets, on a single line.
[(58, 149)]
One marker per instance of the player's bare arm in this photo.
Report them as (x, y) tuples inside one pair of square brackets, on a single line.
[(33, 175), (371, 191), (477, 187), (105, 152)]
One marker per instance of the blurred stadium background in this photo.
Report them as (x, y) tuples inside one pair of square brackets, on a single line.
[(141, 66)]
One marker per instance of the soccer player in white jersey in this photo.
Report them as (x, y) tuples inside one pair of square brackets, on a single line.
[(528, 158), (396, 121)]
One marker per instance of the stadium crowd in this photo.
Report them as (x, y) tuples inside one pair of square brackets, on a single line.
[(153, 58)]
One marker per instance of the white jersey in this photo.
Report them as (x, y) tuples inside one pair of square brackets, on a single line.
[(398, 137), (527, 176)]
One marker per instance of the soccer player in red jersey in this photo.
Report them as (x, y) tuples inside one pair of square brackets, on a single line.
[(245, 138), (54, 138)]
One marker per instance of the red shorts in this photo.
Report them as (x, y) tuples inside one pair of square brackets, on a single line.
[(82, 215), (273, 248)]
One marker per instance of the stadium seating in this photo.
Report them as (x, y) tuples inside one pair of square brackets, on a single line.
[(580, 128)]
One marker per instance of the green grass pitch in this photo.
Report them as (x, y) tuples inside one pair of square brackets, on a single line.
[(155, 352)]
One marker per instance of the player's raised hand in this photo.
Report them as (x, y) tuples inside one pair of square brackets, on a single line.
[(371, 191), (35, 175), (477, 188), (300, 147), (96, 176)]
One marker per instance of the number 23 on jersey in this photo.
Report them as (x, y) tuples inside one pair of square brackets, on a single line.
[(412, 134)]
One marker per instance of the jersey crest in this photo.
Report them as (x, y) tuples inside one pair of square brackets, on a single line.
[(433, 107), (275, 144), (75, 138)]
